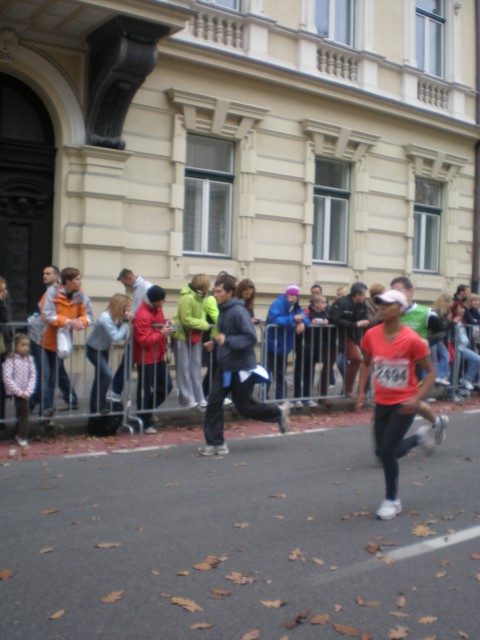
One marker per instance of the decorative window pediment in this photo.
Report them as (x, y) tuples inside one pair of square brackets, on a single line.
[(434, 164), (333, 141), (216, 116)]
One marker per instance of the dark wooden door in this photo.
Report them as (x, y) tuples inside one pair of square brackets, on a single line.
[(26, 193)]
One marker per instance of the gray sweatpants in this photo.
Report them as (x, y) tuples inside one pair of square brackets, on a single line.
[(188, 365)]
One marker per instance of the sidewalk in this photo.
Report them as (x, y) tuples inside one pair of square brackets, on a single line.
[(183, 427)]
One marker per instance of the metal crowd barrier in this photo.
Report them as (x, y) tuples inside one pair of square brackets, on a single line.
[(306, 369)]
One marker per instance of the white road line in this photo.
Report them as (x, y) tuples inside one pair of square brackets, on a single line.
[(143, 449), (90, 454), (472, 411), (405, 553)]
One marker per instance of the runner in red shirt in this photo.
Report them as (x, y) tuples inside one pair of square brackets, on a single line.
[(395, 350)]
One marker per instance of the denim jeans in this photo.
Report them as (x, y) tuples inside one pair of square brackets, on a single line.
[(102, 379), (440, 356), (472, 367)]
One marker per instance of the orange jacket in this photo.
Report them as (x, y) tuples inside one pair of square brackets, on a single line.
[(57, 308)]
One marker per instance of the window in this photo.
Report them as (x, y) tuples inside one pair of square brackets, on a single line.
[(207, 216), (334, 19), (427, 214), (229, 4), (430, 36), (331, 204)]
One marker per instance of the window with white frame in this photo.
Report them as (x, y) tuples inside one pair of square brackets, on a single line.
[(235, 5), (207, 219), (335, 20), (430, 36), (331, 211), (427, 217)]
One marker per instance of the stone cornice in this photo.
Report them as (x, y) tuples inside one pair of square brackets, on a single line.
[(433, 163), (338, 142)]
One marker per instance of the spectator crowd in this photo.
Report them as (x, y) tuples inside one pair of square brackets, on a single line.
[(318, 339)]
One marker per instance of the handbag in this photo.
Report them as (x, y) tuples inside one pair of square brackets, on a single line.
[(64, 343)]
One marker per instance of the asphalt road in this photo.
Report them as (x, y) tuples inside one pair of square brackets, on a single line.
[(293, 515)]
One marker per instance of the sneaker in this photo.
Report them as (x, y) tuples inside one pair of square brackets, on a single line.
[(190, 405), (222, 450), (208, 450), (114, 397), (426, 438), (202, 406), (298, 404), (227, 402), (443, 382), (312, 403), (389, 509), (22, 442), (284, 420), (466, 385), (440, 430), (150, 431)]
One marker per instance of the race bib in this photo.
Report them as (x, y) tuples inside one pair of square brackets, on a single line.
[(392, 374)]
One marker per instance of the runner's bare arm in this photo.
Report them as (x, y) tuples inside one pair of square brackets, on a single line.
[(411, 405), (365, 368)]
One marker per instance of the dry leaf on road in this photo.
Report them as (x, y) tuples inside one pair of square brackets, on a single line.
[(273, 604), (463, 634), (201, 625), (400, 602), (114, 596), (57, 614), (208, 564), (365, 603), (321, 619), (278, 495), (47, 550), (427, 619), (221, 592), (346, 630), (475, 556), (155, 572), (241, 525), (398, 633), (423, 531), (239, 578), (318, 561), (298, 618), (48, 512), (296, 554), (399, 614), (5, 574), (188, 605), (252, 635), (108, 545)]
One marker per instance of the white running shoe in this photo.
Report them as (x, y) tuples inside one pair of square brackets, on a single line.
[(443, 382), (298, 404), (284, 420), (150, 431), (227, 402), (312, 403), (389, 509), (426, 438), (466, 385), (22, 442), (440, 430)]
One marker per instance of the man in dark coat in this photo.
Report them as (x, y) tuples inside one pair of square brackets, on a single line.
[(236, 371)]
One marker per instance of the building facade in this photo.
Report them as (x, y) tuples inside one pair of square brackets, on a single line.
[(298, 141)]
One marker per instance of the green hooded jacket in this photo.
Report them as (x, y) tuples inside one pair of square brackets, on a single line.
[(190, 314)]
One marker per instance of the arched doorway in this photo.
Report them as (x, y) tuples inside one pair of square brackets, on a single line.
[(27, 155)]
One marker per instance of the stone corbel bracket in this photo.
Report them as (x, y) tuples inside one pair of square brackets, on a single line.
[(434, 164), (333, 141), (123, 52), (8, 44)]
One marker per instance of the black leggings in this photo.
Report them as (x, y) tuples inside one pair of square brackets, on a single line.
[(390, 428)]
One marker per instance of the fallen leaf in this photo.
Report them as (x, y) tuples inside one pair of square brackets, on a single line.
[(423, 531), (427, 619), (298, 618), (332, 568), (388, 560), (279, 517), (296, 554), (241, 525), (463, 634), (47, 550), (57, 614), (441, 574), (208, 564), (251, 635), (108, 545), (318, 561), (366, 603), (373, 547), (273, 604), (112, 597), (399, 614), (183, 573), (346, 630), (478, 577), (278, 495), (221, 592), (155, 572), (201, 625), (310, 518), (444, 563), (48, 512), (337, 608), (5, 574), (239, 578), (398, 633), (400, 602), (322, 619), (475, 556), (366, 635), (188, 605)]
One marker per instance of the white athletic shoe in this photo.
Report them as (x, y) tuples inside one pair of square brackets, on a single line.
[(284, 420), (389, 509), (466, 385), (440, 430), (298, 404), (426, 438)]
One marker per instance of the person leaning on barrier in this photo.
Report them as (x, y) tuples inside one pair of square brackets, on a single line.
[(66, 306), (150, 334), (289, 319), (236, 372), (350, 316), (190, 321), (371, 307)]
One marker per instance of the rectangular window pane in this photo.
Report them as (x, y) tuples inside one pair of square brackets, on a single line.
[(343, 21), (428, 192), (230, 4), (192, 217), (432, 6), (219, 217), (420, 41), (319, 228), (432, 229), (322, 17), (338, 230), (435, 48), (417, 241), (331, 174), (209, 154)]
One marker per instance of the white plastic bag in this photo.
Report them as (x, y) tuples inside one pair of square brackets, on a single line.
[(64, 343)]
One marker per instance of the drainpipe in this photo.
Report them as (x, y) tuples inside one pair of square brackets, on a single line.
[(476, 196)]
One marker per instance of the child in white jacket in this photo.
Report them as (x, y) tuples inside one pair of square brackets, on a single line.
[(19, 376)]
